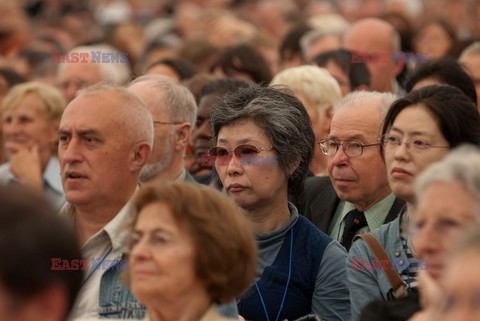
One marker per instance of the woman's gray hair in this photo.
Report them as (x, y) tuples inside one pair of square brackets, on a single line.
[(461, 165), (284, 120)]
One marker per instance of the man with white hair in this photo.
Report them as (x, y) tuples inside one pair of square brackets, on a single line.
[(174, 113), (355, 198), (470, 58), (105, 139), (318, 91), (89, 68)]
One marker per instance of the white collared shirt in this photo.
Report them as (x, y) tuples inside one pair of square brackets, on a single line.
[(114, 235)]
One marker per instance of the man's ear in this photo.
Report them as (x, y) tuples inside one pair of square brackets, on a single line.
[(327, 120), (397, 68), (183, 135), (139, 156)]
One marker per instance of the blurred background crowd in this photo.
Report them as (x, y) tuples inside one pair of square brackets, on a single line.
[(186, 88)]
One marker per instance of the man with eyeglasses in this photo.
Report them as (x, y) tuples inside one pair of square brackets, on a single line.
[(174, 112), (355, 198)]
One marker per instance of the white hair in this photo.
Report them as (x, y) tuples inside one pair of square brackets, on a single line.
[(176, 99), (312, 36), (329, 21), (314, 83), (355, 99), (461, 165), (411, 8)]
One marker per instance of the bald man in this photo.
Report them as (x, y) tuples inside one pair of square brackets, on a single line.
[(174, 113), (105, 138), (371, 35)]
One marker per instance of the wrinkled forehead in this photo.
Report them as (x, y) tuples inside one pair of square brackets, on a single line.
[(362, 118), (447, 200), (96, 110)]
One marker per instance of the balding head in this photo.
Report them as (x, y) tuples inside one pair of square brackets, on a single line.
[(105, 138), (174, 110), (359, 178), (385, 39)]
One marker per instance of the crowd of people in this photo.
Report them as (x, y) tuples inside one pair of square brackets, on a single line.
[(210, 160)]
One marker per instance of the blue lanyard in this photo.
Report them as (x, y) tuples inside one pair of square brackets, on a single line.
[(90, 273), (286, 287)]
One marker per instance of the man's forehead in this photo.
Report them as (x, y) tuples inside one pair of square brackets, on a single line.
[(356, 123), (92, 111)]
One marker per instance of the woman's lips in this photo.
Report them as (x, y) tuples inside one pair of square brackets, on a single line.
[(398, 172), (235, 188)]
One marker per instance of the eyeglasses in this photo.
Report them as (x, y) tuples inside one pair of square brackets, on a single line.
[(393, 142), (242, 150), (166, 123), (351, 148)]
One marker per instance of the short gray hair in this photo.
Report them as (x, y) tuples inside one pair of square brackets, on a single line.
[(137, 117), (461, 165), (355, 99), (284, 120), (177, 100), (312, 36)]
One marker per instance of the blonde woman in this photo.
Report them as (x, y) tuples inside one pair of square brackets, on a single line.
[(30, 116)]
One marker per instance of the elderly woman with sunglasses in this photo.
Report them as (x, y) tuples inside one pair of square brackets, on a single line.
[(419, 129), (264, 145)]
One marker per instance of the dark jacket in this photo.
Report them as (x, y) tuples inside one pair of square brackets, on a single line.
[(318, 202)]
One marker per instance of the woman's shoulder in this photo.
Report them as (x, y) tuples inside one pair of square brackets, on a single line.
[(387, 231), (388, 235)]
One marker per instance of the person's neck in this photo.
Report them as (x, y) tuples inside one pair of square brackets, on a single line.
[(173, 171), (318, 165), (363, 206), (270, 217), (91, 219), (409, 210), (190, 306)]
